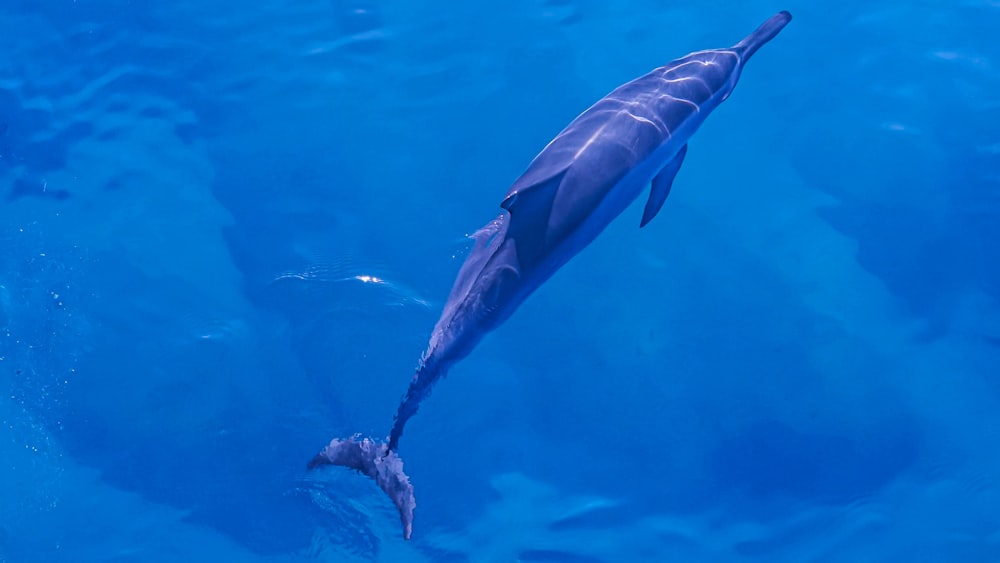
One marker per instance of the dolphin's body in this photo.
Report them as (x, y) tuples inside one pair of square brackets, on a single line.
[(596, 167)]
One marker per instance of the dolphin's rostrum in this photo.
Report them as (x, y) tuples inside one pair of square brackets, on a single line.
[(596, 167)]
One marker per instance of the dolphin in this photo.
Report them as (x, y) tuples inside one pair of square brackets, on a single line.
[(634, 137)]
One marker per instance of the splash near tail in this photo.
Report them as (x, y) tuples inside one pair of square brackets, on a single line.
[(377, 461)]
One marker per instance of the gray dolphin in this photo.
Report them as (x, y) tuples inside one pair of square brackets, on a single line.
[(596, 167)]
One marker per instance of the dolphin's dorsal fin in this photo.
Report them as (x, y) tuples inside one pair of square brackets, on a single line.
[(661, 187), (532, 195), (531, 210)]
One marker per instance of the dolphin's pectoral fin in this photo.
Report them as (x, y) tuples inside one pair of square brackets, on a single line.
[(661, 187), (378, 462)]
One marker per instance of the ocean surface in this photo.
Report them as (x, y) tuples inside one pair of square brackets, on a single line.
[(227, 229)]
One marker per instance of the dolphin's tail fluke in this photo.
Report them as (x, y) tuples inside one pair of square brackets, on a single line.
[(377, 461), (762, 34)]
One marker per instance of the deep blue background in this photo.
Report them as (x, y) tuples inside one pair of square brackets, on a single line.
[(798, 360)]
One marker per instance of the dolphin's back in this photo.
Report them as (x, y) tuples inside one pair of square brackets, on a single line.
[(630, 123), (638, 117), (637, 127), (641, 125)]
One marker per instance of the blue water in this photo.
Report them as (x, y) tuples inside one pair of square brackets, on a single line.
[(227, 229)]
